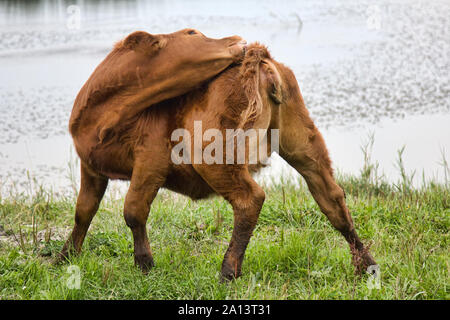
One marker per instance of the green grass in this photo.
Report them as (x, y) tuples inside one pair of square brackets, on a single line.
[(294, 253)]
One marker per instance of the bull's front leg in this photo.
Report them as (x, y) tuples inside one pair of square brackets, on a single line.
[(149, 174), (236, 185)]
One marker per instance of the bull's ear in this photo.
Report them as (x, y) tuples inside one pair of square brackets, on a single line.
[(271, 80), (143, 42)]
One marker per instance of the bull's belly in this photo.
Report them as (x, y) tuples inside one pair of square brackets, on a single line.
[(113, 160), (185, 180)]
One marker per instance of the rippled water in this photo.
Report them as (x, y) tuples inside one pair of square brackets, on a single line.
[(362, 68)]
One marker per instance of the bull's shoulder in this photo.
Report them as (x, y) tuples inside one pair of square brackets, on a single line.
[(107, 80)]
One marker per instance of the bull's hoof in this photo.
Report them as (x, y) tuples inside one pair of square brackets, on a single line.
[(228, 273), (362, 260), (60, 258), (227, 277), (144, 262), (368, 260)]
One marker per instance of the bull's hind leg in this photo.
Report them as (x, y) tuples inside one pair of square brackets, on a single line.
[(314, 165), (146, 180), (92, 189), (246, 197)]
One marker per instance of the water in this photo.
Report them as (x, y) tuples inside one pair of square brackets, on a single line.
[(362, 68)]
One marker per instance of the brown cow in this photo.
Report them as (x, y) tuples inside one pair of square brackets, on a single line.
[(144, 69), (260, 94)]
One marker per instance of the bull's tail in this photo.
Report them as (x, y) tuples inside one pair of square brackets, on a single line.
[(250, 81)]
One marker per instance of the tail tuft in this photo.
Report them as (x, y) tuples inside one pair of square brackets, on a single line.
[(250, 81)]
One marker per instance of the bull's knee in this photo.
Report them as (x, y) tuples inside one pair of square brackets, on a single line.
[(135, 219), (247, 206), (131, 220), (135, 211), (259, 196), (84, 212), (252, 198)]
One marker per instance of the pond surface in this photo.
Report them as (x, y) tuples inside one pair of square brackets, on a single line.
[(363, 69)]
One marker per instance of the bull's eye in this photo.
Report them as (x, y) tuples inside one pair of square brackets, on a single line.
[(192, 32)]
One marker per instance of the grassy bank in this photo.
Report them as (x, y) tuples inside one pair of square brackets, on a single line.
[(294, 253)]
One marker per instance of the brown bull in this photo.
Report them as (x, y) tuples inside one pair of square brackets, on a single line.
[(144, 69), (261, 94)]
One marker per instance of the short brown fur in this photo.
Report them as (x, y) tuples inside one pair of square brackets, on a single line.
[(259, 94)]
